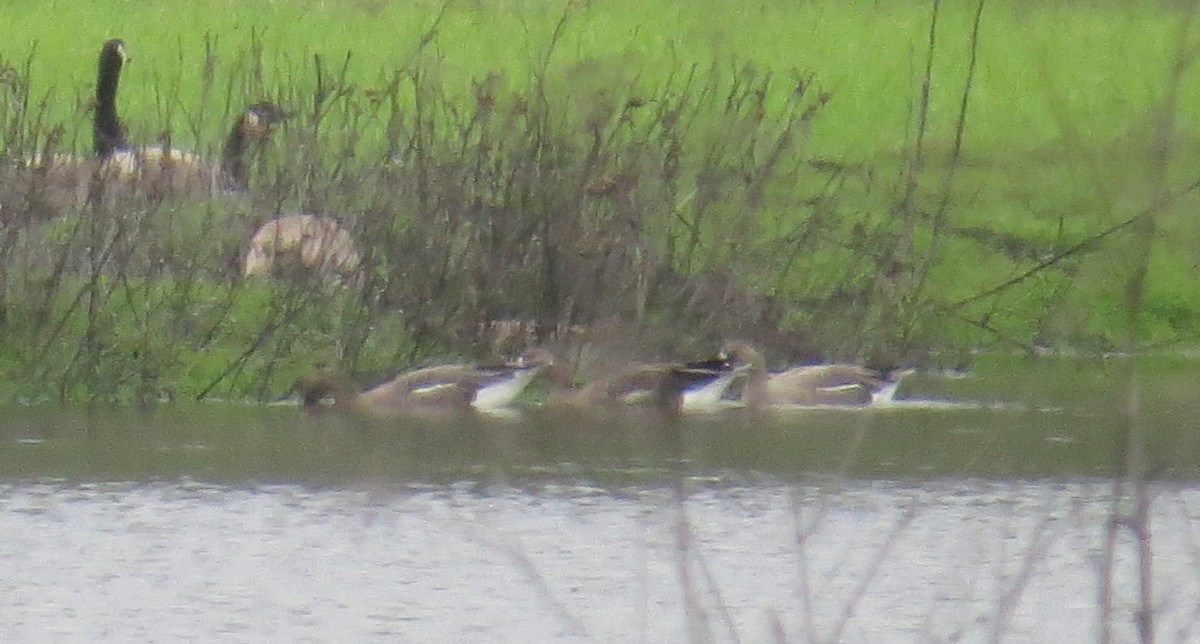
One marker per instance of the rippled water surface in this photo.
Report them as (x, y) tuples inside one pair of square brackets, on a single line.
[(976, 509)]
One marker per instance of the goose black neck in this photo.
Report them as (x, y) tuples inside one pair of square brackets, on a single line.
[(108, 134), (233, 159)]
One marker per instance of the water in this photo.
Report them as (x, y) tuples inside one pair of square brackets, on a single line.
[(978, 511)]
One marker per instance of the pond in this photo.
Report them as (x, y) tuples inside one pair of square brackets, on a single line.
[(974, 509)]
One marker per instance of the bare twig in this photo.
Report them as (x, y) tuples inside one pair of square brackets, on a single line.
[(1007, 605), (860, 590)]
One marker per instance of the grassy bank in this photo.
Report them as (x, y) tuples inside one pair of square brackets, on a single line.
[(693, 171)]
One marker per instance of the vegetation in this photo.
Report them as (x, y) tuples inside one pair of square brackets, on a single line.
[(888, 182)]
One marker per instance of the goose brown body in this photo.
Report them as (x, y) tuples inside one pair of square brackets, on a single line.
[(161, 171), (294, 245), (444, 387), (663, 385), (59, 181), (823, 384)]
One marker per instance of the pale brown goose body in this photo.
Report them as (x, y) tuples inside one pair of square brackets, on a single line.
[(294, 245), (459, 387), (671, 386), (809, 385)]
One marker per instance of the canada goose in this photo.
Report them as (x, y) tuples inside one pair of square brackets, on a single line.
[(165, 171), (294, 245), (825, 384), (110, 136), (161, 169), (444, 387), (62, 181)]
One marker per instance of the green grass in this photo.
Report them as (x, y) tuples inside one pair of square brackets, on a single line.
[(1099, 65)]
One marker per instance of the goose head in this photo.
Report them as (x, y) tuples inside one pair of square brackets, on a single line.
[(254, 125), (257, 121)]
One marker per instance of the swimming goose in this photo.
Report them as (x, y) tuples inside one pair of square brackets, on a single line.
[(445, 387), (671, 386), (708, 392), (294, 245), (825, 384)]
